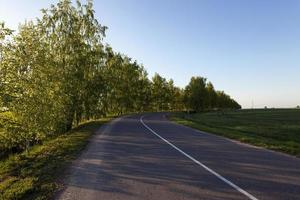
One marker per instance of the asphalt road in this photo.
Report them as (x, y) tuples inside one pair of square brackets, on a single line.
[(148, 157)]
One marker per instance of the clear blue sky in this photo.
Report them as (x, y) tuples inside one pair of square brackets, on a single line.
[(248, 48)]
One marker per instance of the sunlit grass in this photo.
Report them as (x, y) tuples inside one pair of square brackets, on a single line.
[(34, 174), (276, 129)]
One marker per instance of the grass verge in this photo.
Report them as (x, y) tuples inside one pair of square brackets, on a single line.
[(275, 129), (34, 174)]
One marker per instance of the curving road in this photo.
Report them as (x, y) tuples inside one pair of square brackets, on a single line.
[(149, 157)]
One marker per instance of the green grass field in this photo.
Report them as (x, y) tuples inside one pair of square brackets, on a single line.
[(276, 129), (34, 174)]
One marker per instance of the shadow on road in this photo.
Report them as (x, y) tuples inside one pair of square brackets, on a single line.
[(129, 162)]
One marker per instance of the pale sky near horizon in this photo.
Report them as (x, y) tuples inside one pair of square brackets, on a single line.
[(250, 49)]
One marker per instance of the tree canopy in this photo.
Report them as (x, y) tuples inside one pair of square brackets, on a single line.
[(56, 72)]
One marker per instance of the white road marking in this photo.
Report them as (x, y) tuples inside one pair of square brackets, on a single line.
[(201, 164)]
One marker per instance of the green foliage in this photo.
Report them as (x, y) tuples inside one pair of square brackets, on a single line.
[(276, 129), (50, 72), (4, 31), (200, 95), (9, 133), (161, 93), (196, 94), (127, 85), (33, 174), (56, 72)]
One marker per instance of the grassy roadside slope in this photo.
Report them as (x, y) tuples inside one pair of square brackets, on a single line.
[(276, 129), (34, 174)]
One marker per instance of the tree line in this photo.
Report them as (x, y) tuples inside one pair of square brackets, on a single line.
[(56, 72)]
